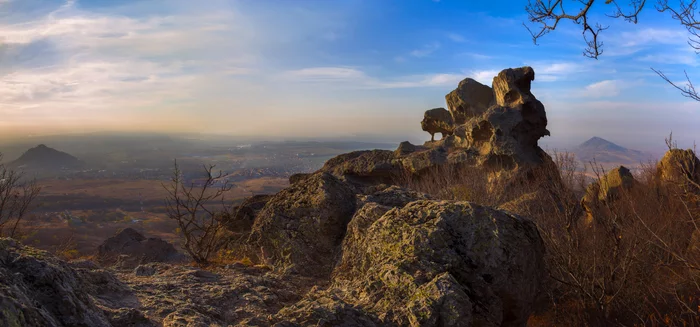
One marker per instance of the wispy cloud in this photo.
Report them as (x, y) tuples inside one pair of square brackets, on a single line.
[(456, 37), (602, 89), (426, 50), (355, 78)]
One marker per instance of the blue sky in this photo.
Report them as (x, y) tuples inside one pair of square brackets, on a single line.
[(313, 68)]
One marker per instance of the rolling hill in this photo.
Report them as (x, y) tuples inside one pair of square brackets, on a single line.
[(46, 158)]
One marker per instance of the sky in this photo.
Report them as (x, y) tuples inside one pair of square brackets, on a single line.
[(317, 68)]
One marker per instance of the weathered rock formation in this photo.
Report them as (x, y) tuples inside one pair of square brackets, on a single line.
[(129, 248), (468, 100), (437, 120)]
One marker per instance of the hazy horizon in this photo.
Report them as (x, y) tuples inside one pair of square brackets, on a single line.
[(353, 69)]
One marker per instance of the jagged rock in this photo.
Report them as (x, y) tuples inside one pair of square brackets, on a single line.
[(404, 148), (445, 263), (131, 249), (680, 167), (295, 178), (437, 120), (37, 289), (301, 227), (469, 99), (244, 214), (371, 167)]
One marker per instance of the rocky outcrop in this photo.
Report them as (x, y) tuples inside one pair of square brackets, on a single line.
[(496, 128), (606, 190), (244, 214), (441, 263), (609, 186), (129, 248), (679, 167), (437, 120), (469, 99), (300, 229)]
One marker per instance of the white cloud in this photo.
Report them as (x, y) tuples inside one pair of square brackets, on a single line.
[(484, 77)]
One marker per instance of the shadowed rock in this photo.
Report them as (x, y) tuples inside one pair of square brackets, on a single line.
[(131, 249)]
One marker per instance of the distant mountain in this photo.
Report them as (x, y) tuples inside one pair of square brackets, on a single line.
[(44, 157), (607, 153)]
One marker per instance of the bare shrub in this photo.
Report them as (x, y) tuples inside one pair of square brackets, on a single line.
[(198, 211), (16, 196)]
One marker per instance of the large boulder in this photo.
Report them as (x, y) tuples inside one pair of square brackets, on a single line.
[(444, 263), (469, 99), (437, 120), (38, 289), (129, 248), (300, 229)]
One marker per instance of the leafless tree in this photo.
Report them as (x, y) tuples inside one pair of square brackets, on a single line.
[(547, 15), (16, 196), (197, 209)]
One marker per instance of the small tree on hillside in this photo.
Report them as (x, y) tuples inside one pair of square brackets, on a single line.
[(197, 210), (547, 16), (16, 197)]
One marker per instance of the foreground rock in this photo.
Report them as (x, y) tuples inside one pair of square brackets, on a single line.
[(441, 263), (129, 248), (37, 289), (300, 229)]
